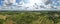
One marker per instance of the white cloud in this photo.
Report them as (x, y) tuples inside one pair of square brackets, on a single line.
[(41, 4)]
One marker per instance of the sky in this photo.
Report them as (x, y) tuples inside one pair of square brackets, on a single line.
[(31, 2), (17, 1), (26, 1), (1, 2), (55, 2)]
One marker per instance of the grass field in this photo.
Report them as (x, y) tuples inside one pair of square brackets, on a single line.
[(29, 17)]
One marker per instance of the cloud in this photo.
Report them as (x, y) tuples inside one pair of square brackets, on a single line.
[(40, 5), (48, 2)]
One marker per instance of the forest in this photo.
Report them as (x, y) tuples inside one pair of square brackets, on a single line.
[(30, 17)]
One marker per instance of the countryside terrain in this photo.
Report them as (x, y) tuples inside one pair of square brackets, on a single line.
[(30, 17)]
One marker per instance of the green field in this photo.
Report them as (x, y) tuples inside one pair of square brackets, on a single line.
[(29, 17)]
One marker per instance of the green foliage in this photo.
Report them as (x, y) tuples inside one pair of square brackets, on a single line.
[(24, 18), (33, 17), (1, 21)]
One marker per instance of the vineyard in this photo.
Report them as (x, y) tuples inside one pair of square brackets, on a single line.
[(29, 17)]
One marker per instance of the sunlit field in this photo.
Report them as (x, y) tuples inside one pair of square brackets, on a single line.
[(29, 17)]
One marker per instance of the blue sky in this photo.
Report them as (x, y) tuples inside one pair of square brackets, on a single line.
[(17, 1), (28, 1), (1, 2), (25, 1), (56, 2)]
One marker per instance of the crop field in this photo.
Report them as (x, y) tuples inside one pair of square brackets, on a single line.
[(30, 17)]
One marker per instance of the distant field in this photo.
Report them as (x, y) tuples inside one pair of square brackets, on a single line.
[(29, 17)]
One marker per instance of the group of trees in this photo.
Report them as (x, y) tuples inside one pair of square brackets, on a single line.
[(32, 17)]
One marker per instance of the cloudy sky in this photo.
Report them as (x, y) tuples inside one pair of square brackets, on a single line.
[(26, 1), (42, 2)]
